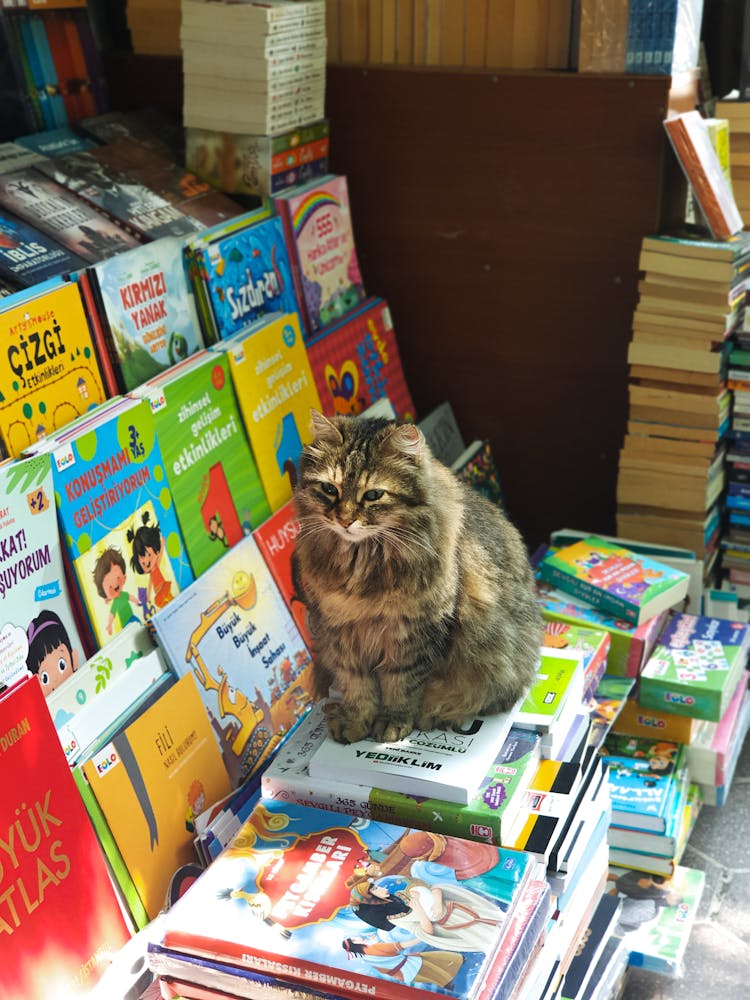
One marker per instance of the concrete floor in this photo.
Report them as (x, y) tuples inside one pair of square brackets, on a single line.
[(717, 960)]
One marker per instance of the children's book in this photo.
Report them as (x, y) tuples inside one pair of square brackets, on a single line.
[(320, 238), (276, 392), (276, 537), (695, 666), (658, 853), (710, 750), (232, 630), (634, 720), (28, 256), (593, 642), (211, 472), (356, 361), (54, 876), (644, 776), (331, 901), (490, 812), (146, 304), (38, 630), (625, 583), (442, 433), (117, 517), (151, 779), (476, 466), (558, 683), (50, 374), (437, 763)]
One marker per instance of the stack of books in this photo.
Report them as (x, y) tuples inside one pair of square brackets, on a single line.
[(253, 68), (738, 114)]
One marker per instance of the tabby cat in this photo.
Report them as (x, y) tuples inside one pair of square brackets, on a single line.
[(419, 592)]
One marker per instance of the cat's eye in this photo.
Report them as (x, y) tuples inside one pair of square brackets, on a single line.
[(371, 495), (329, 489)]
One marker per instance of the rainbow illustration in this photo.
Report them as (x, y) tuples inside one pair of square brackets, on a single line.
[(309, 205)]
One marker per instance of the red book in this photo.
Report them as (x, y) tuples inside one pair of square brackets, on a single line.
[(60, 918), (276, 538)]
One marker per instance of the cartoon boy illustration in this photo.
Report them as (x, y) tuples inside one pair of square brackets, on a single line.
[(51, 656), (148, 551), (109, 580)]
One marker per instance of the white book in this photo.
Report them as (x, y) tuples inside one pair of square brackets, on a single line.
[(445, 764)]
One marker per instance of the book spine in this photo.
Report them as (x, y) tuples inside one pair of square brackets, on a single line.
[(109, 364)]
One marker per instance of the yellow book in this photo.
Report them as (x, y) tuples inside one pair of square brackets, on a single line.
[(276, 391), (50, 374)]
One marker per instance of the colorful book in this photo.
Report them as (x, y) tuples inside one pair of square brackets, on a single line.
[(356, 361), (437, 763), (275, 389), (150, 779), (476, 466), (51, 374), (211, 472), (658, 853), (614, 578), (55, 877), (635, 720), (149, 316), (466, 891), (710, 750), (490, 812), (558, 683), (232, 630), (642, 777), (320, 239), (117, 517), (695, 666), (28, 256), (594, 643)]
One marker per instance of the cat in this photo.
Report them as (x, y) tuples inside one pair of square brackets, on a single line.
[(419, 592)]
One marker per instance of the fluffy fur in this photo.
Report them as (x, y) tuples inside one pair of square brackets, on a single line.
[(419, 592)]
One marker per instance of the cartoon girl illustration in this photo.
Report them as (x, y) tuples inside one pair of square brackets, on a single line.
[(109, 580), (148, 551), (196, 799), (51, 656)]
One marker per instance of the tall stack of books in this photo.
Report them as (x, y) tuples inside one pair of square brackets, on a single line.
[(738, 115), (671, 472)]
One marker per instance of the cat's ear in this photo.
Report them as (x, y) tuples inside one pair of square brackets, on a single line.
[(323, 428), (408, 440)]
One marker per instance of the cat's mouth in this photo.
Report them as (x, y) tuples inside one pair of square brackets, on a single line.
[(353, 532)]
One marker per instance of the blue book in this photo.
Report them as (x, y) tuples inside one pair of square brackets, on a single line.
[(641, 779), (28, 256)]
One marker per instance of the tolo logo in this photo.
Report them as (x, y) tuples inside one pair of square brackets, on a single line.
[(64, 458), (158, 400), (675, 698), (648, 720), (238, 355), (106, 759)]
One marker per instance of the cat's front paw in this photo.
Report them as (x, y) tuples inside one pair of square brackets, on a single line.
[(387, 730), (345, 726)]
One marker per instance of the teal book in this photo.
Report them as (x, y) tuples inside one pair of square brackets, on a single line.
[(642, 778), (211, 472), (117, 517)]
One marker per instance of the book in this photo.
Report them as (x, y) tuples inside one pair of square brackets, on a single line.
[(614, 578), (354, 859), (147, 308), (231, 629), (150, 779), (658, 853), (28, 256), (276, 391), (54, 875), (558, 683), (593, 642), (709, 752), (51, 374), (320, 240), (695, 666), (356, 361), (642, 775), (716, 795), (600, 927), (209, 465), (442, 433), (117, 517), (438, 763), (476, 466), (490, 812), (635, 720)]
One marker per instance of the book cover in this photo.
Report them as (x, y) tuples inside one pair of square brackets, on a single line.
[(635, 720), (232, 630), (54, 876), (558, 681), (477, 467), (593, 642), (276, 537), (150, 316), (642, 778), (118, 519), (436, 763), (442, 433), (151, 779), (38, 630), (28, 256), (320, 238), (614, 578), (338, 902), (356, 361), (660, 852), (695, 666), (276, 391), (50, 373), (212, 475)]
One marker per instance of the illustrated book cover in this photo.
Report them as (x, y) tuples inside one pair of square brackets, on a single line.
[(437, 763), (149, 314), (490, 812), (117, 517), (643, 775), (593, 642), (231, 629), (275, 389), (276, 537), (51, 374), (211, 472), (28, 256), (38, 630), (54, 875), (356, 361), (320, 238), (477, 467), (333, 901), (695, 666), (625, 583), (150, 781)]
